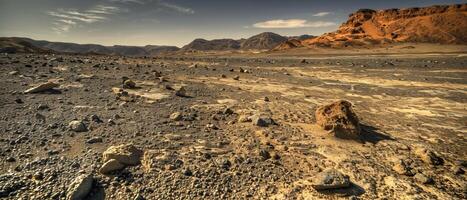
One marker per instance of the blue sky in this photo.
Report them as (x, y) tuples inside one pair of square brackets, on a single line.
[(178, 22)]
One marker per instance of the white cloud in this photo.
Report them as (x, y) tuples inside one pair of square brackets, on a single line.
[(321, 14), (66, 19), (176, 8), (292, 23)]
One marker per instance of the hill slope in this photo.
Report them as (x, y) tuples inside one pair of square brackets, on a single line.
[(434, 24)]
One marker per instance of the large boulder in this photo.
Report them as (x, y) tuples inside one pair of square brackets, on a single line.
[(80, 187), (77, 126), (126, 154), (339, 118)]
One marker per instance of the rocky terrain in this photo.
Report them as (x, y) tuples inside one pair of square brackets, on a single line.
[(323, 127), (445, 24)]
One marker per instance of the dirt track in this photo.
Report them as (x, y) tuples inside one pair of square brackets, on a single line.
[(404, 102)]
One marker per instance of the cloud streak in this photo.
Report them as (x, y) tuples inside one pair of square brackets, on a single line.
[(321, 14), (66, 19), (292, 23)]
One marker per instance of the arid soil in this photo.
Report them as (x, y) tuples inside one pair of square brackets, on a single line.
[(232, 128)]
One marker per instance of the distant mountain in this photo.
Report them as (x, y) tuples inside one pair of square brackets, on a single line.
[(42, 45), (18, 45), (265, 40), (262, 41), (212, 45)]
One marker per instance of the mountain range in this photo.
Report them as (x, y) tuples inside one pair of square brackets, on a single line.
[(445, 24)]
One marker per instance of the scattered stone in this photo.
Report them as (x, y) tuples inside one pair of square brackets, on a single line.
[(187, 172), (13, 73), (421, 178), (42, 87), (42, 107), (339, 118), (330, 179), (244, 118), (176, 116), (228, 111), (80, 187), (10, 159), (94, 140), (236, 78), (457, 170), (110, 166), (19, 101), (129, 84), (266, 99), (262, 120), (401, 168), (156, 159), (77, 126), (96, 119), (126, 154), (428, 156), (264, 154), (181, 92)]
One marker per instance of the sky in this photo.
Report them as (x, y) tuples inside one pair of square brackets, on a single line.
[(178, 22)]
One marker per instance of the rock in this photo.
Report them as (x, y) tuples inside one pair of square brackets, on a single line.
[(401, 168), (264, 154), (266, 99), (236, 78), (330, 179), (13, 73), (421, 178), (77, 126), (262, 120), (129, 84), (94, 140), (10, 159), (19, 101), (126, 154), (244, 118), (181, 92), (42, 87), (176, 116), (96, 119), (80, 187), (228, 111), (110, 166), (339, 118), (457, 170), (428, 156)]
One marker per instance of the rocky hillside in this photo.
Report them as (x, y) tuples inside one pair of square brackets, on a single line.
[(434, 24), (16, 45), (262, 41), (212, 45), (30, 45), (265, 40)]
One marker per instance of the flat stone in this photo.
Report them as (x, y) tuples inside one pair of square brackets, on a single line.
[(42, 87), (110, 166), (330, 179)]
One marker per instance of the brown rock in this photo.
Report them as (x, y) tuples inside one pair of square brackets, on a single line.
[(126, 154), (428, 156), (339, 118), (110, 166), (330, 179)]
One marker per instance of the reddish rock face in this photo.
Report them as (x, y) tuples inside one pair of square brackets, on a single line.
[(436, 24)]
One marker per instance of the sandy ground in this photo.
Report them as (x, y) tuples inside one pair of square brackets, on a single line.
[(404, 101)]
